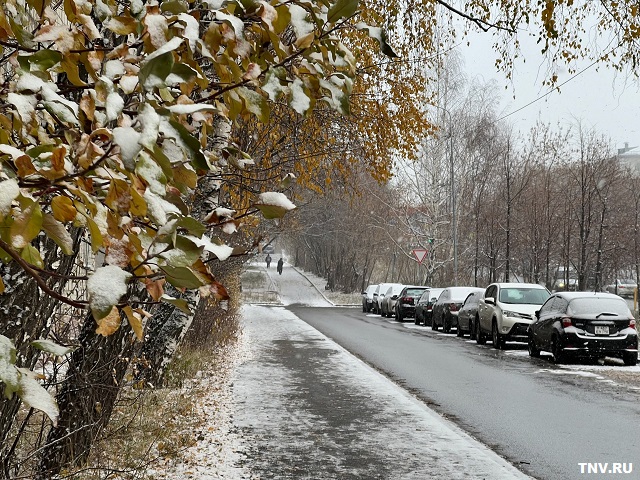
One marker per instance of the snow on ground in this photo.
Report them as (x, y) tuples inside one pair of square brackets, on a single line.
[(386, 425), (291, 403)]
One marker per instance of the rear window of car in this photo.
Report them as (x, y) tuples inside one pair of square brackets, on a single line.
[(597, 305), (414, 292), (474, 298)]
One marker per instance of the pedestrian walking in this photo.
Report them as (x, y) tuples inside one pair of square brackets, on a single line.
[(280, 265), (268, 260)]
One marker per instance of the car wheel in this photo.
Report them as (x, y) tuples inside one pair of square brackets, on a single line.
[(630, 358), (364, 308), (399, 315), (446, 324), (472, 330), (498, 340), (459, 332), (434, 327), (557, 351), (480, 338), (533, 350), (416, 319)]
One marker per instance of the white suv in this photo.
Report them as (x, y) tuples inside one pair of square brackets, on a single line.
[(507, 310)]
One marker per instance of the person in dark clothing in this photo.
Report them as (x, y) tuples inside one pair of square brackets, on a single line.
[(268, 260), (280, 264)]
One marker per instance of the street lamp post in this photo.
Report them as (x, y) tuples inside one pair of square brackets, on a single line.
[(454, 222), (453, 207)]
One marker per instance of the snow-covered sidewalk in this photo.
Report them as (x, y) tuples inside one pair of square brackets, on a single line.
[(295, 405), (307, 408)]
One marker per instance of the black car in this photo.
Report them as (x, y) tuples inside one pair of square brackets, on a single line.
[(406, 304), (445, 310), (425, 305), (467, 315), (584, 324)]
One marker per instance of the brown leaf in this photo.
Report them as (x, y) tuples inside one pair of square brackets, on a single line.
[(218, 291), (57, 159), (119, 197), (25, 166), (109, 324), (155, 288)]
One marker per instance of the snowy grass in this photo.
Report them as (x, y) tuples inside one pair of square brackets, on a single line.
[(153, 429), (257, 287)]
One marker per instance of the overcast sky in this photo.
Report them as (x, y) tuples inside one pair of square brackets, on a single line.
[(607, 103)]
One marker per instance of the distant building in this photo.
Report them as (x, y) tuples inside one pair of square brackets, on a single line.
[(630, 157)]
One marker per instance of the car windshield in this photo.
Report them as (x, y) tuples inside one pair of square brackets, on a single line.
[(598, 305), (627, 281), (523, 296)]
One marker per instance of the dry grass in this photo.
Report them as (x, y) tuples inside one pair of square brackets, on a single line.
[(150, 428)]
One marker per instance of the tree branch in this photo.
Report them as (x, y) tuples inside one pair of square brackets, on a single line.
[(29, 270)]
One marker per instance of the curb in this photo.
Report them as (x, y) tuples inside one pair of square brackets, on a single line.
[(321, 292)]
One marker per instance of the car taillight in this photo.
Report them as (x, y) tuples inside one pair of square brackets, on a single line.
[(566, 322), (632, 323), (408, 300), (453, 307)]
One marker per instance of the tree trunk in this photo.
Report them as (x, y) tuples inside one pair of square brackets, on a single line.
[(164, 332), (87, 397), (26, 316)]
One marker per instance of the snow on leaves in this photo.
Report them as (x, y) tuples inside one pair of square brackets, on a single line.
[(273, 204), (25, 383), (116, 146)]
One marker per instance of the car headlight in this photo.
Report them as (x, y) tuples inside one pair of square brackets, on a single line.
[(509, 313)]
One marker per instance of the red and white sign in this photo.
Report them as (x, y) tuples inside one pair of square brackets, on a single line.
[(420, 254)]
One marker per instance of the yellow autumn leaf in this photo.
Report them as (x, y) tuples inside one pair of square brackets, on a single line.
[(135, 320), (109, 324), (63, 209)]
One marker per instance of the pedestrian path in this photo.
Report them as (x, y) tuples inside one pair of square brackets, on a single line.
[(306, 408)]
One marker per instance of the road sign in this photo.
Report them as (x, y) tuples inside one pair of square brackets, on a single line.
[(420, 254)]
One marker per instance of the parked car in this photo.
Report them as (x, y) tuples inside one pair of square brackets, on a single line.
[(467, 314), (625, 287), (367, 298), (584, 324), (378, 295), (445, 309), (425, 305), (406, 304), (388, 303), (506, 311)]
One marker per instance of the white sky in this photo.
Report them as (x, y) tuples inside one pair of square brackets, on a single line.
[(603, 100)]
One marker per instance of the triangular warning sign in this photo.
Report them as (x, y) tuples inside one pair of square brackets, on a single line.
[(420, 254)]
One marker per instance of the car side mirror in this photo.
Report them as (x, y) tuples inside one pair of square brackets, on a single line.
[(395, 297), (490, 300), (538, 314)]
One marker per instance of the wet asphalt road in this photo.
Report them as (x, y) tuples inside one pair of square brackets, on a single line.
[(541, 418)]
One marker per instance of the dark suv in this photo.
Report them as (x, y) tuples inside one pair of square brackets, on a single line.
[(406, 303)]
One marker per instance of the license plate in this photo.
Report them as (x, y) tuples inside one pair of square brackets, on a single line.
[(602, 330)]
